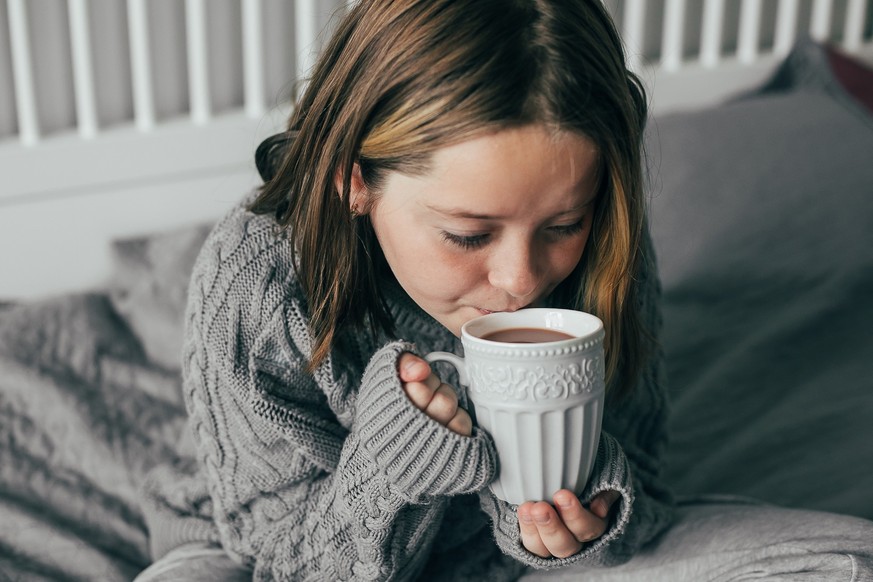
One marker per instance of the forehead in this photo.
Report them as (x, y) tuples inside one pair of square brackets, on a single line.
[(513, 165), (530, 143)]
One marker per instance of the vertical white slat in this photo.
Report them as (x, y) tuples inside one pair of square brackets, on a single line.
[(854, 26), (750, 29), (786, 26), (198, 73), (306, 31), (710, 34), (22, 73), (633, 27), (820, 23), (253, 56), (83, 68), (141, 65), (671, 42)]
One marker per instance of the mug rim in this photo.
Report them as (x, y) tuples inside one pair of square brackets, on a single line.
[(595, 333)]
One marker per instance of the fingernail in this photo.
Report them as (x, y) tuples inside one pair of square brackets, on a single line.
[(565, 502), (542, 518)]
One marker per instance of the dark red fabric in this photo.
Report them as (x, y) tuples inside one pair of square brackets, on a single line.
[(855, 77)]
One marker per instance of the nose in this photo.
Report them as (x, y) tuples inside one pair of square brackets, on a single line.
[(514, 269)]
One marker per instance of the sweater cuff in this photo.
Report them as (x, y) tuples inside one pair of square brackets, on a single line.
[(611, 472), (419, 455)]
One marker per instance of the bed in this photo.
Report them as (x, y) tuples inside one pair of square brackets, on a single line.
[(760, 175)]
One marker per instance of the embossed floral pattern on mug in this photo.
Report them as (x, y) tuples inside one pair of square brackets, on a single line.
[(559, 381)]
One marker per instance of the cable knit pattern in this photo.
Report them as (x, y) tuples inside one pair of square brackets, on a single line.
[(421, 458), (336, 475)]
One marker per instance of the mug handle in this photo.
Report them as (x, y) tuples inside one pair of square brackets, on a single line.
[(456, 361), (463, 378)]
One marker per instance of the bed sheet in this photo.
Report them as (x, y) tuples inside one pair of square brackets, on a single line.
[(83, 414)]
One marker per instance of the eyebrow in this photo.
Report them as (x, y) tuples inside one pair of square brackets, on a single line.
[(462, 213)]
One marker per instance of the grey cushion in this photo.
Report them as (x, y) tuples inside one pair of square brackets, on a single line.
[(149, 286)]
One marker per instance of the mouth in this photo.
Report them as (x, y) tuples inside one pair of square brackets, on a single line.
[(484, 311)]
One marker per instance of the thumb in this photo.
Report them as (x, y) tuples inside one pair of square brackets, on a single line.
[(603, 502)]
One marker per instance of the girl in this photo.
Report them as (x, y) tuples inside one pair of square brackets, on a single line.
[(448, 159)]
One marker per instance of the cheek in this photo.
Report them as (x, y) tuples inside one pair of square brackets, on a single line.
[(568, 256), (448, 272), (421, 261)]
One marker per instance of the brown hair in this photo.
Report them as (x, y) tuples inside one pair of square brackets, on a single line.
[(402, 78)]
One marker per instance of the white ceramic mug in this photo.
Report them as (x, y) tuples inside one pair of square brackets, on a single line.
[(541, 402)]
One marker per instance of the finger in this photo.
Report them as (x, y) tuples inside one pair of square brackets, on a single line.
[(461, 423), (419, 393), (530, 535), (584, 525), (603, 502), (559, 541), (412, 368), (433, 381), (444, 404)]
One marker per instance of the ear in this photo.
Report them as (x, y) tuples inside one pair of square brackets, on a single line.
[(359, 197)]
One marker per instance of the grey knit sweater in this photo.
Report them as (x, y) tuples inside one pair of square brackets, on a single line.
[(336, 475)]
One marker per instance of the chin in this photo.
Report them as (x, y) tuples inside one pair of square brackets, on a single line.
[(453, 321), (469, 315), (455, 325)]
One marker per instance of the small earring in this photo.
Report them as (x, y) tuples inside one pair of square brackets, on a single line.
[(354, 212)]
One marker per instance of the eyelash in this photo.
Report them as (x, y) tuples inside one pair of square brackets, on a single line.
[(476, 241), (465, 242)]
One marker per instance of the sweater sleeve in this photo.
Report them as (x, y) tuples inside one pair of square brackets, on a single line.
[(328, 475), (296, 494), (628, 462)]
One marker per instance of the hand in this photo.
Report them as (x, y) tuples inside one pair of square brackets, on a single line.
[(562, 530), (428, 393)]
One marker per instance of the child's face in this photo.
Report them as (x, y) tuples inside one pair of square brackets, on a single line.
[(495, 225)]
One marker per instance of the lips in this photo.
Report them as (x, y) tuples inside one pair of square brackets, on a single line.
[(484, 311)]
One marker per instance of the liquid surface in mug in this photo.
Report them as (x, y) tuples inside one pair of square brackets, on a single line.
[(526, 335)]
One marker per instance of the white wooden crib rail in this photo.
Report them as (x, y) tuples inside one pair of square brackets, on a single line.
[(120, 117), (305, 20), (696, 52)]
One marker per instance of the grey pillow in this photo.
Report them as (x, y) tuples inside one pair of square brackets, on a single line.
[(779, 170), (762, 214), (149, 286)]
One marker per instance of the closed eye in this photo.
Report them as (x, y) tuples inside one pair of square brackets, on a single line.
[(469, 242), (564, 230), (465, 242)]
